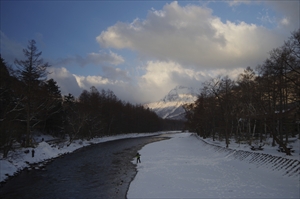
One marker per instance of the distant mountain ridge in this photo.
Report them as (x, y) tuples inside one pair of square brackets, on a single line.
[(170, 106)]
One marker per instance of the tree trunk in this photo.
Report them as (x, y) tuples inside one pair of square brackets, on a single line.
[(226, 133), (254, 127), (249, 131), (7, 148), (287, 151), (273, 133), (298, 129), (28, 129)]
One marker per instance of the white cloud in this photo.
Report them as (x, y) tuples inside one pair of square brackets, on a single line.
[(158, 80), (124, 90), (187, 45), (85, 82), (193, 37), (75, 84), (65, 80), (161, 77)]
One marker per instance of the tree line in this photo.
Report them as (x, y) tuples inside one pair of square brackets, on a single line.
[(261, 103), (32, 103)]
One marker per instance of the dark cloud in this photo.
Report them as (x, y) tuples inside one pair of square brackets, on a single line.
[(92, 58), (115, 73)]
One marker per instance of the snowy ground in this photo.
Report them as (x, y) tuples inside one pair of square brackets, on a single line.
[(186, 167), (18, 160)]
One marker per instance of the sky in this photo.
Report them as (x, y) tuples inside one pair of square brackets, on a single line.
[(141, 50)]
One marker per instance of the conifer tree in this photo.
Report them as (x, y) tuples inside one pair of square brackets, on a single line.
[(32, 72)]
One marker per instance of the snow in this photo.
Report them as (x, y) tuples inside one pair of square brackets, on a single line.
[(171, 105), (187, 167), (18, 160), (268, 148)]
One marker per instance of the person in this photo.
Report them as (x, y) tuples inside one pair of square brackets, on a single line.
[(32, 152), (138, 158)]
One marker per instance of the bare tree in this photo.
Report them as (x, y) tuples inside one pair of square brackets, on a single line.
[(222, 89)]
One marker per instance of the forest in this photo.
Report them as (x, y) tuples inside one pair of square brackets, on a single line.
[(259, 104), (32, 104)]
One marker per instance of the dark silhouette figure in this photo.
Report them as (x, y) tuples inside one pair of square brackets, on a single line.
[(138, 158), (32, 152)]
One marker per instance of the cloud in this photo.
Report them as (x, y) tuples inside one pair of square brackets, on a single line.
[(115, 73), (265, 18), (161, 77), (124, 90), (176, 45), (92, 58), (85, 82), (192, 36), (238, 2), (288, 12), (158, 79), (99, 58), (65, 80), (10, 50), (75, 84)]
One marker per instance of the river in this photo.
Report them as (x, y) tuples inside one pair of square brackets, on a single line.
[(102, 170)]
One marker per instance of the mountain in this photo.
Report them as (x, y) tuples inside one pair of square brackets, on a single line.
[(170, 106)]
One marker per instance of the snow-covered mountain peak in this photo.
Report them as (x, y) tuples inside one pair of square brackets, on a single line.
[(180, 93), (171, 105)]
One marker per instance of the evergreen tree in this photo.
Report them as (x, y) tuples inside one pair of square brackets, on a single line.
[(10, 109), (53, 114), (32, 73)]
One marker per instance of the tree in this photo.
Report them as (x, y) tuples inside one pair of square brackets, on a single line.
[(246, 96), (222, 88), (53, 113), (258, 104), (291, 52), (92, 103), (32, 73), (9, 109)]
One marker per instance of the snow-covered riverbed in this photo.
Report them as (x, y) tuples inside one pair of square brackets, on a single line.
[(186, 167)]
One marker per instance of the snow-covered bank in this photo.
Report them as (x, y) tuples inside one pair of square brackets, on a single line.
[(18, 160), (267, 148), (186, 167)]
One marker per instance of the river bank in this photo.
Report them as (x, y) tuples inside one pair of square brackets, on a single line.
[(102, 170)]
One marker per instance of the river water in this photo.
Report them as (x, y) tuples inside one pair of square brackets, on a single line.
[(102, 170)]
